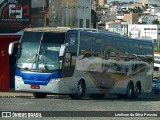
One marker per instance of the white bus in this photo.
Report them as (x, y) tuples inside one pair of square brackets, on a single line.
[(82, 61)]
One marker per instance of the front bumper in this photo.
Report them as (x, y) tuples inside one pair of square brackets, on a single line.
[(54, 86)]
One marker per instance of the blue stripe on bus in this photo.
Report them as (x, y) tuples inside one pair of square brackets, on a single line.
[(34, 78)]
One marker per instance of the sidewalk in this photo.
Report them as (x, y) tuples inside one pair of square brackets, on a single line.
[(15, 94)]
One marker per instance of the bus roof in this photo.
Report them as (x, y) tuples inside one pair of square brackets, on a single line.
[(48, 29), (97, 31)]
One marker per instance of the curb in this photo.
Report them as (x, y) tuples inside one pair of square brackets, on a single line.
[(25, 94), (15, 94)]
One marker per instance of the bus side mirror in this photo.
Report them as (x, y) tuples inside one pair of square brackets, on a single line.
[(62, 50), (11, 46)]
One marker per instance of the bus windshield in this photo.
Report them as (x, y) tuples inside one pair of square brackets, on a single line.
[(49, 56), (40, 51)]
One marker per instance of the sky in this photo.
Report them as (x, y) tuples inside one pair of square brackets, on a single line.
[(122, 0)]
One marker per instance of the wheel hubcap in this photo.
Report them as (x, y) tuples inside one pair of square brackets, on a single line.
[(130, 92), (79, 89)]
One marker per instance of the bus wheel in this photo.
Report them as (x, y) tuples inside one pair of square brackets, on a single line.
[(137, 90), (130, 91), (39, 95), (97, 96), (80, 90)]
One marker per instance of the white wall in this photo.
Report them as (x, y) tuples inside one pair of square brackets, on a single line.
[(155, 10), (144, 31)]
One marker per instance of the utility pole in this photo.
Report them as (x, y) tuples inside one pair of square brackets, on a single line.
[(67, 13)]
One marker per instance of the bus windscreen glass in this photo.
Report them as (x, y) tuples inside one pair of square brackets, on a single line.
[(40, 52)]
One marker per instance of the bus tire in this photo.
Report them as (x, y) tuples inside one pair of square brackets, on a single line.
[(130, 91), (97, 96), (80, 90), (137, 90), (39, 95)]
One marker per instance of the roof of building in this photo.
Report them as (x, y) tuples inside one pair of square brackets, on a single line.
[(114, 22)]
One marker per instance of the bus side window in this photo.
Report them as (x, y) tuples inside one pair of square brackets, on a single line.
[(67, 61), (69, 64)]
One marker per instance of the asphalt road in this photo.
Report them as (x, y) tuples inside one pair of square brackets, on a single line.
[(85, 109)]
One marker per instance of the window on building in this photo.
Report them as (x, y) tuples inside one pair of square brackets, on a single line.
[(156, 68), (81, 23), (147, 28), (87, 24)]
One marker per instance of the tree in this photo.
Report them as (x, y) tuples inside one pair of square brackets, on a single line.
[(136, 10), (155, 21)]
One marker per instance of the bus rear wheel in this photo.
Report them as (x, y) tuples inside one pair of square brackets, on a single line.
[(137, 90), (80, 90), (39, 95), (130, 91)]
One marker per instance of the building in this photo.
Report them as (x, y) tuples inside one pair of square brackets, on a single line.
[(40, 13), (63, 13), (113, 26), (84, 14), (118, 26), (71, 13), (140, 5), (131, 18), (145, 31), (154, 10), (16, 16), (143, 1), (156, 2), (102, 2), (146, 18), (156, 64)]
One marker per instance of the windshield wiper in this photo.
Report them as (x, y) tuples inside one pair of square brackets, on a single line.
[(38, 50), (43, 62)]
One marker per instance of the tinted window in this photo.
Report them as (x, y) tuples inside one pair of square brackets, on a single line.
[(31, 36), (57, 38)]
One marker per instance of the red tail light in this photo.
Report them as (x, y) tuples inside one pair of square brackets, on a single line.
[(35, 87)]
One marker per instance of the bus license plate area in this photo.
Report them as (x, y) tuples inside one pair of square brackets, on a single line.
[(35, 87)]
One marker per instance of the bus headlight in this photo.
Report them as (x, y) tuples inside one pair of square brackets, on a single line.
[(19, 79)]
